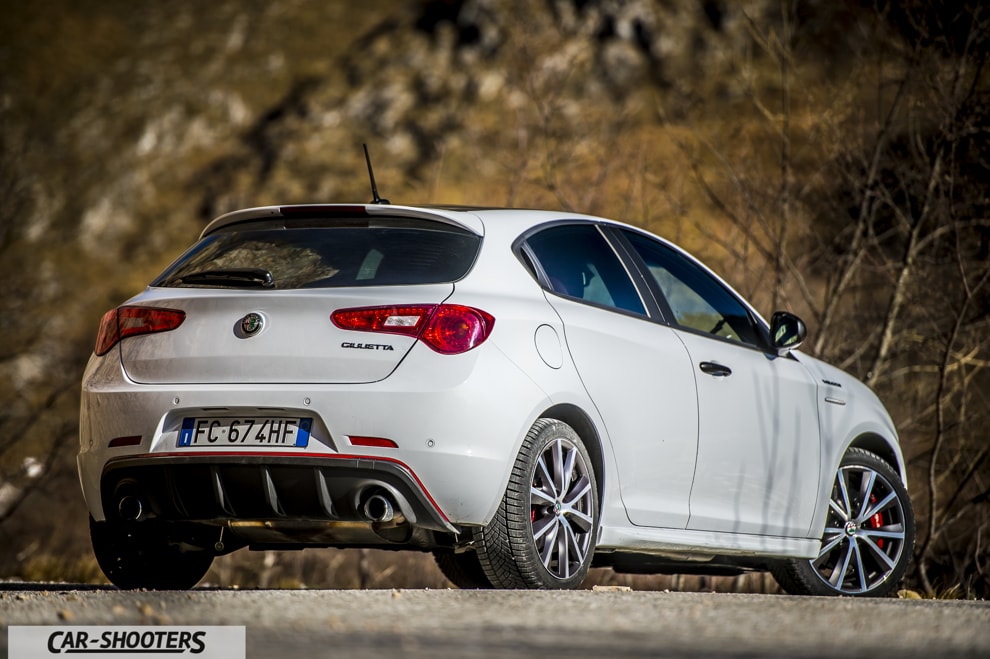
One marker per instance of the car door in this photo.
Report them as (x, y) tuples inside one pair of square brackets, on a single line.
[(758, 437), (634, 368)]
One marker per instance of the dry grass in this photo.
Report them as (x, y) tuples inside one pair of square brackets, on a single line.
[(48, 568), (351, 569)]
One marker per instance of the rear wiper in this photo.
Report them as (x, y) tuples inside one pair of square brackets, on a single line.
[(240, 277)]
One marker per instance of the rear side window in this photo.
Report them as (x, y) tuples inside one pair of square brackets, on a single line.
[(580, 264), (284, 256)]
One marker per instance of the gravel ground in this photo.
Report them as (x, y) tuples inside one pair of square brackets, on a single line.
[(455, 623)]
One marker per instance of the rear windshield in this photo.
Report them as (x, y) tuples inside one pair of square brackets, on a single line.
[(325, 255)]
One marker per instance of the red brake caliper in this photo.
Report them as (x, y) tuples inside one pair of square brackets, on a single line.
[(876, 521)]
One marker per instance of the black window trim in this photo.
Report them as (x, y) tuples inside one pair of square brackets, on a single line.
[(642, 279)]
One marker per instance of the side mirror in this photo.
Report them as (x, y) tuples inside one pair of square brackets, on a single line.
[(787, 332)]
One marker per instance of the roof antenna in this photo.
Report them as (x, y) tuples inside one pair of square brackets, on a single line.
[(371, 175)]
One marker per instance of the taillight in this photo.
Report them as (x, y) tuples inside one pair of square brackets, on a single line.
[(409, 320), (449, 329), (123, 322), (453, 329)]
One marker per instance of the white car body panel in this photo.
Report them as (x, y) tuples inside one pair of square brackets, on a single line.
[(638, 387), (691, 545), (758, 454)]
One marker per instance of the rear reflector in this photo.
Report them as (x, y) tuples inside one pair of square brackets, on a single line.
[(122, 322), (449, 329), (117, 442), (379, 442)]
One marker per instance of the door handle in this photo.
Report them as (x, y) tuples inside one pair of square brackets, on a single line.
[(716, 370)]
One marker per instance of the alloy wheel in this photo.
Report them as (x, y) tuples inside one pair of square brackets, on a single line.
[(864, 533), (561, 508)]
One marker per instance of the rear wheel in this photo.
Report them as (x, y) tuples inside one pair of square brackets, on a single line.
[(543, 534), (868, 537), (141, 556), (463, 570)]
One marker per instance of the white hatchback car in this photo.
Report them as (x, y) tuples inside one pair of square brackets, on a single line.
[(525, 394)]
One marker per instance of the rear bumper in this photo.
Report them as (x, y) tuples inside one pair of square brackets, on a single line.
[(226, 489)]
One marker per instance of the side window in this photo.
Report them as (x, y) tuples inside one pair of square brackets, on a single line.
[(698, 301), (581, 264)]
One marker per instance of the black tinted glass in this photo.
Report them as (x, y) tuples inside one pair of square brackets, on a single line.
[(324, 257), (581, 264), (698, 301)]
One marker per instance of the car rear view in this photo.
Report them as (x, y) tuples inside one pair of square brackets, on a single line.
[(255, 393)]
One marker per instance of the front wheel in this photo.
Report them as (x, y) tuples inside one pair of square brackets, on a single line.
[(868, 537), (141, 556), (543, 534)]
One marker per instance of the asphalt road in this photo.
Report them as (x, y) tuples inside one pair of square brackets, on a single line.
[(455, 623)]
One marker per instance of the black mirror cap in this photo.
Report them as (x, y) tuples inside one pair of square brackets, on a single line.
[(787, 332)]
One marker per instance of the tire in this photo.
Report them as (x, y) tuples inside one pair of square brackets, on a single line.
[(868, 538), (544, 531), (140, 556), (463, 570)]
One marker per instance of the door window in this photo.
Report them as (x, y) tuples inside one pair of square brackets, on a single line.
[(696, 299)]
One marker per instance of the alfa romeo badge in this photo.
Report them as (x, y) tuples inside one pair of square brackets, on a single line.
[(252, 323)]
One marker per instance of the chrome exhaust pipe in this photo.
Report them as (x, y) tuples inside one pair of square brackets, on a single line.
[(379, 508), (130, 508)]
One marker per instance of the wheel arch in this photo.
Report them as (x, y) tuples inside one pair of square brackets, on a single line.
[(582, 424), (882, 447)]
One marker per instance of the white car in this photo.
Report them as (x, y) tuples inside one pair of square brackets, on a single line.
[(525, 394)]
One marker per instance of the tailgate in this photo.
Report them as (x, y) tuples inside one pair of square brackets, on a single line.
[(296, 342)]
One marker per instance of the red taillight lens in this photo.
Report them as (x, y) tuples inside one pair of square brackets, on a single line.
[(123, 322), (378, 442), (453, 329), (449, 329)]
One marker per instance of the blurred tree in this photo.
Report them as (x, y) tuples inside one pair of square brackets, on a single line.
[(884, 242)]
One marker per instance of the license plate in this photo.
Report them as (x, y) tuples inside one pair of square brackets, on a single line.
[(272, 432)]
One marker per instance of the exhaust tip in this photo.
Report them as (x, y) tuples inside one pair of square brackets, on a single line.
[(130, 508), (379, 508)]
